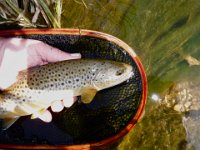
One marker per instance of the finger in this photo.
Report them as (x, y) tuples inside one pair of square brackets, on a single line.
[(68, 98), (68, 102), (46, 116), (57, 106), (51, 54)]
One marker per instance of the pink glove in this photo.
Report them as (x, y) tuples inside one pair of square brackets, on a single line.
[(17, 54)]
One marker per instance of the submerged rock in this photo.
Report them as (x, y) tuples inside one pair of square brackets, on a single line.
[(183, 97), (192, 61), (191, 122)]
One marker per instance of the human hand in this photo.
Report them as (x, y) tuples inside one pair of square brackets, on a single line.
[(17, 54)]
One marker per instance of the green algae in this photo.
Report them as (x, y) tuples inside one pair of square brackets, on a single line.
[(160, 129)]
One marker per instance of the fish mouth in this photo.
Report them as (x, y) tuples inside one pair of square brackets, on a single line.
[(129, 71), (131, 74)]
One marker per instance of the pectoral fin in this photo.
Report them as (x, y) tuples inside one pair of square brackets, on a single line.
[(88, 94), (37, 113), (7, 122)]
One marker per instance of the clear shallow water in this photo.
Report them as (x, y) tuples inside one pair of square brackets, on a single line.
[(163, 34)]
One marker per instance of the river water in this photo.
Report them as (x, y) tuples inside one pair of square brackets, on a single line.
[(166, 37)]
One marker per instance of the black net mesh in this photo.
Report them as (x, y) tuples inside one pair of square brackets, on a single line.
[(110, 111)]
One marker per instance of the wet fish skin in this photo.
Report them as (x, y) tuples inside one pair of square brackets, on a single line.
[(39, 86)]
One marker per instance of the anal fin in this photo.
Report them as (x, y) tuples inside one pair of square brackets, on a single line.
[(7, 122), (88, 94)]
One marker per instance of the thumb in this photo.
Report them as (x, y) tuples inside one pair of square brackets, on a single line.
[(51, 54)]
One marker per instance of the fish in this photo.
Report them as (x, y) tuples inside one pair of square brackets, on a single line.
[(37, 87)]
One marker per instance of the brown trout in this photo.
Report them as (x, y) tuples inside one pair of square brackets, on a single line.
[(39, 86)]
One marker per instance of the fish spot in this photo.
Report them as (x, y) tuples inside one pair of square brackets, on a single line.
[(62, 83)]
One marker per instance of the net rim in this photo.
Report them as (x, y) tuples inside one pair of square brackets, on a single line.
[(100, 35)]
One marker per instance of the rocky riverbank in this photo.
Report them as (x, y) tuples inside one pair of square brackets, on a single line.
[(183, 97)]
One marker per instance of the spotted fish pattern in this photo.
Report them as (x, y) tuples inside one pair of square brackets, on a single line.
[(39, 86)]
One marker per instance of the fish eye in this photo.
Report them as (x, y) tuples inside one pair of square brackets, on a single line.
[(119, 72)]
